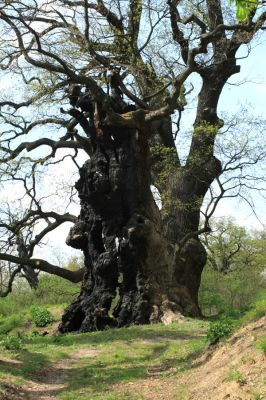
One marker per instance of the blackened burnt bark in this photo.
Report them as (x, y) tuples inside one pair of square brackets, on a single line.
[(116, 210)]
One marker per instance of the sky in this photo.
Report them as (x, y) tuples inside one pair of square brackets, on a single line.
[(251, 93)]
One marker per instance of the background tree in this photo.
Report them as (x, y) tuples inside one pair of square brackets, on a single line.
[(153, 256), (235, 274)]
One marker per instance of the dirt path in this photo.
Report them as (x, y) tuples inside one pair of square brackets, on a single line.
[(48, 382)]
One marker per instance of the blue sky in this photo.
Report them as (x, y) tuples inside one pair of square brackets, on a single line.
[(252, 93)]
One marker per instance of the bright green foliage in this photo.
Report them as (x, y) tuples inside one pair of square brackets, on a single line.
[(244, 8), (12, 343), (219, 330), (167, 158), (41, 316), (231, 294), (51, 290), (234, 277), (11, 322)]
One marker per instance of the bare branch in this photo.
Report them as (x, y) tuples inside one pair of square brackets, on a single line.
[(42, 265)]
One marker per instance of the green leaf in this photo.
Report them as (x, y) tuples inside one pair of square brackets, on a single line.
[(244, 8), (241, 13)]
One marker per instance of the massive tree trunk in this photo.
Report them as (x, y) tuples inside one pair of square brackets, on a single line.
[(150, 261), (127, 252)]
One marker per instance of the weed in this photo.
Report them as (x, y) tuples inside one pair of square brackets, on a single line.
[(13, 343), (10, 323), (257, 396), (247, 359), (235, 375)]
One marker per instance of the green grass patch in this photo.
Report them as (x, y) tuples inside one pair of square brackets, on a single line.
[(256, 310), (11, 323), (96, 365), (26, 321)]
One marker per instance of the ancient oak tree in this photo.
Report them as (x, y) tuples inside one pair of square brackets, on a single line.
[(109, 77)]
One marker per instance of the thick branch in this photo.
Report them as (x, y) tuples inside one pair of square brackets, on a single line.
[(42, 265)]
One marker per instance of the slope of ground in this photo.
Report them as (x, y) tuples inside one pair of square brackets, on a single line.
[(234, 371), (149, 362)]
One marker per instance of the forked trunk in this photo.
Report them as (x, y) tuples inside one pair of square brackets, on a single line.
[(128, 256)]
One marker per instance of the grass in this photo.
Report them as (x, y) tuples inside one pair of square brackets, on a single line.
[(51, 291), (256, 310), (256, 395), (235, 375), (23, 320), (110, 358), (131, 359), (262, 344), (103, 365), (11, 323)]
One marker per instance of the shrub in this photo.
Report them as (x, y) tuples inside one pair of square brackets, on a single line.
[(12, 343), (41, 316), (219, 330)]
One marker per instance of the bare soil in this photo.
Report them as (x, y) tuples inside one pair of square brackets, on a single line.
[(45, 385), (235, 370)]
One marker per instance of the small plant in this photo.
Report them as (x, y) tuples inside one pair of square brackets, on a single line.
[(257, 395), (41, 316), (235, 375), (12, 343), (219, 330), (262, 344)]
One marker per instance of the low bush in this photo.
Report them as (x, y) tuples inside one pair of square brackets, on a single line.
[(219, 330), (41, 316)]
